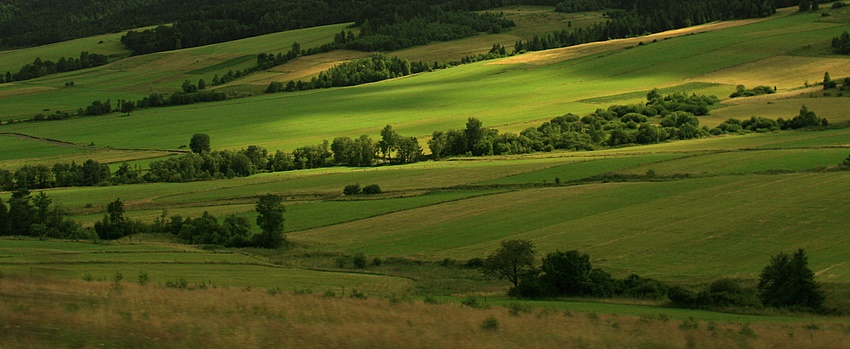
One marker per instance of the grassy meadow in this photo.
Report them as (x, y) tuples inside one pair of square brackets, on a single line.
[(685, 212), (507, 96)]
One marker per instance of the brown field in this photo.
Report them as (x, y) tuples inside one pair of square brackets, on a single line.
[(567, 53), (302, 68), (36, 313), (784, 72)]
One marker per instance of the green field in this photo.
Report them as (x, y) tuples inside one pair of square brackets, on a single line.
[(509, 97), (684, 212)]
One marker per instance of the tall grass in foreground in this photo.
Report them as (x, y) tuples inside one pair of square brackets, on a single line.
[(40, 313)]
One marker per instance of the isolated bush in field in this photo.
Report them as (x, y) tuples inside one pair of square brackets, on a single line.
[(359, 260), (372, 189), (490, 324), (517, 308), (351, 189), (341, 261), (144, 278), (357, 294)]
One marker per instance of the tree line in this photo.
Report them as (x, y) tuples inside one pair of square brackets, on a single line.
[(39, 67), (385, 25), (374, 68), (786, 282), (616, 126), (675, 118), (38, 216), (204, 163)]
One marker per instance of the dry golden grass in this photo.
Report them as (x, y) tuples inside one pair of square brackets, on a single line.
[(567, 53), (37, 313), (785, 72), (303, 68)]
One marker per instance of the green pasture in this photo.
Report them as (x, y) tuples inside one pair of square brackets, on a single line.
[(16, 148), (832, 108), (136, 77), (675, 230), (507, 97), (587, 168), (162, 263), (745, 162), (107, 44)]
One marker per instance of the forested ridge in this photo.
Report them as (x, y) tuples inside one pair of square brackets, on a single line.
[(388, 24)]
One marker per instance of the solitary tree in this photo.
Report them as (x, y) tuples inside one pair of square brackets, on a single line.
[(787, 282), (200, 143), (512, 260), (270, 207)]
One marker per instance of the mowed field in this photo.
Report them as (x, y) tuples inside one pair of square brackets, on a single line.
[(685, 212)]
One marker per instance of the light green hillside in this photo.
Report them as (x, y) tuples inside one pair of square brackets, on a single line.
[(505, 96)]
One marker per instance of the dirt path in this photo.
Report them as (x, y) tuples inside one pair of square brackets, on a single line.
[(50, 141)]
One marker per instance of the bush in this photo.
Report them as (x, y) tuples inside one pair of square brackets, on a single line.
[(490, 324), (371, 189), (359, 260), (144, 278), (351, 189)]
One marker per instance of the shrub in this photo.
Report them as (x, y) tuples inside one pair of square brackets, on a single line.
[(517, 308), (372, 189), (351, 189), (473, 302), (490, 324), (357, 294), (143, 278), (181, 283), (359, 260)]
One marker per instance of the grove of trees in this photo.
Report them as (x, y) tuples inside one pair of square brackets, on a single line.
[(787, 282)]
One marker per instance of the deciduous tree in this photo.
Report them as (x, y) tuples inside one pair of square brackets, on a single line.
[(270, 220), (512, 261)]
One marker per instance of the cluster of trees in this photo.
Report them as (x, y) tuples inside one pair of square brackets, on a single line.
[(785, 282), (806, 5), (841, 43), (39, 68), (742, 91), (90, 173), (806, 118), (628, 18), (618, 125), (562, 274), (37, 216), (233, 231), (377, 67), (28, 215)]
